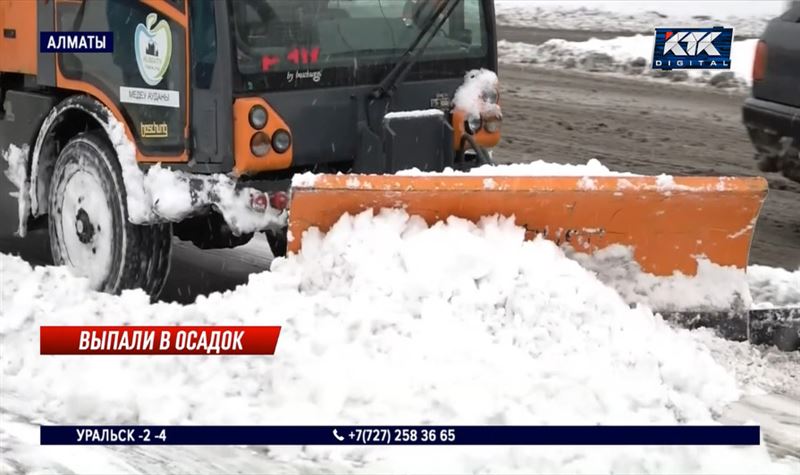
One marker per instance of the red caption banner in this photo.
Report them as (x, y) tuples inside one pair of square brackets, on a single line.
[(157, 340)]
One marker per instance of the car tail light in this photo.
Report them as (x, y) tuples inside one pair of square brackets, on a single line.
[(259, 201), (760, 61), (279, 200)]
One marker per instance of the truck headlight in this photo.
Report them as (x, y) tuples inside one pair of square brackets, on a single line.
[(474, 123), (281, 141), (491, 96), (492, 126), (259, 144), (258, 117)]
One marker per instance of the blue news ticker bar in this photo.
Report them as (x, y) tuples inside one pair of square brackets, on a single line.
[(400, 435)]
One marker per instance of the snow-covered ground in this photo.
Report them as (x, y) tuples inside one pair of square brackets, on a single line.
[(389, 321), (628, 55), (771, 286), (748, 18)]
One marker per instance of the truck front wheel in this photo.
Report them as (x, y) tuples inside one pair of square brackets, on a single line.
[(88, 222)]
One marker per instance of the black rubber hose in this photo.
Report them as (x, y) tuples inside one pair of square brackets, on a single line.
[(482, 154)]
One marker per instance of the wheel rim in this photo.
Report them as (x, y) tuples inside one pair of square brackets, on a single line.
[(85, 227)]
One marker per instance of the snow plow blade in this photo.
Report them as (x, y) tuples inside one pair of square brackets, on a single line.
[(669, 222)]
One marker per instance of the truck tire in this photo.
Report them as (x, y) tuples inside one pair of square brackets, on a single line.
[(277, 241), (791, 168), (88, 222), (767, 163)]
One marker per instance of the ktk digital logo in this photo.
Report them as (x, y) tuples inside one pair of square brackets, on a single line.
[(693, 48)]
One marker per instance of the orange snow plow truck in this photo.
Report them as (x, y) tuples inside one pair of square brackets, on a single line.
[(124, 123)]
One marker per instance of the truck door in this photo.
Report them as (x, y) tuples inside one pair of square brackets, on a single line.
[(211, 90), (144, 77)]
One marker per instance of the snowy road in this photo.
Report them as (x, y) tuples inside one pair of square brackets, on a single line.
[(778, 416), (535, 36), (193, 271)]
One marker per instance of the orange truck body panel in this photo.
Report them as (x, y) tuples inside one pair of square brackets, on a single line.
[(668, 225), (18, 54), (246, 162)]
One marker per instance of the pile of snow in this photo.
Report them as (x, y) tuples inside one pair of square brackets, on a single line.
[(635, 17), (139, 204), (593, 167), (628, 55), (414, 114), (714, 287), (174, 195), (389, 321), (759, 370), (17, 174), (773, 287), (471, 96), (162, 194)]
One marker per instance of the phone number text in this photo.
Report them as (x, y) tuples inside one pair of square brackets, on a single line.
[(402, 436)]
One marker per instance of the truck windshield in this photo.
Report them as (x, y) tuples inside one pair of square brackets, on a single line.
[(297, 44)]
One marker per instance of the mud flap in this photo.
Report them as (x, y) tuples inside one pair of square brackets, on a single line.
[(668, 222)]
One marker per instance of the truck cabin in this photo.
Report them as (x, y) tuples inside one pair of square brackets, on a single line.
[(267, 88), (239, 94)]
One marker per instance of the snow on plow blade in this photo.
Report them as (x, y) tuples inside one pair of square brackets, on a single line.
[(668, 222)]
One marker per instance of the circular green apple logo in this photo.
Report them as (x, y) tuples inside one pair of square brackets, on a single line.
[(153, 44)]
